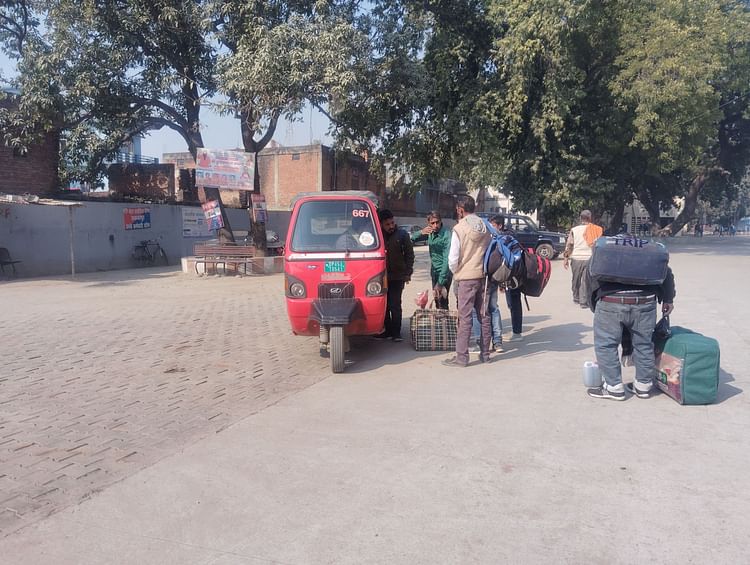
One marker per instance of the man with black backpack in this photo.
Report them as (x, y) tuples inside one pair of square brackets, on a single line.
[(399, 266)]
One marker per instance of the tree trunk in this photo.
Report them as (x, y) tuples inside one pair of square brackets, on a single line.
[(654, 213), (615, 222), (250, 145), (688, 210), (190, 90)]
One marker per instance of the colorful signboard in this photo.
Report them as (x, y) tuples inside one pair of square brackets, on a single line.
[(260, 213), (212, 212), (194, 223), (231, 170), (137, 218)]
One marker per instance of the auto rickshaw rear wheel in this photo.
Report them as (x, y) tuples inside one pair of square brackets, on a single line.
[(336, 348)]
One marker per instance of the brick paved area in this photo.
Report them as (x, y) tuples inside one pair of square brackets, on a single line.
[(106, 375)]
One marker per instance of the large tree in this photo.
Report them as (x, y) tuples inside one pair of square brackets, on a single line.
[(104, 71), (278, 57), (683, 73)]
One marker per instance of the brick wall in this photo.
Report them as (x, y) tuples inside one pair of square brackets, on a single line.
[(34, 172), (147, 181), (284, 172)]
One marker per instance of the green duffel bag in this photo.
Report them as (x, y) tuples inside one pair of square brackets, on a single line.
[(688, 368)]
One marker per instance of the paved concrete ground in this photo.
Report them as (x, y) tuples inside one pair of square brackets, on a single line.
[(400, 460)]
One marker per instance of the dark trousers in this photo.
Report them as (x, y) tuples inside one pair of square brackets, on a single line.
[(441, 303), (393, 312), (472, 298), (513, 299), (578, 284)]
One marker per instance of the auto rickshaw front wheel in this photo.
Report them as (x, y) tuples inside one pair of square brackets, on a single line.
[(336, 348)]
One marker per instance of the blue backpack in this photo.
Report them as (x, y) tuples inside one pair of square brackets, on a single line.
[(503, 259)]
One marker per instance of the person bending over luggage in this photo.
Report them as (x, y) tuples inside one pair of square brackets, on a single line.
[(619, 306), (439, 243), (399, 267)]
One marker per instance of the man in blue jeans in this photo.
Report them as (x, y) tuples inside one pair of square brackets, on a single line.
[(512, 298), (633, 307), (493, 310)]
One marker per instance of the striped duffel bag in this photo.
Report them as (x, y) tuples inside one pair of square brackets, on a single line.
[(433, 330)]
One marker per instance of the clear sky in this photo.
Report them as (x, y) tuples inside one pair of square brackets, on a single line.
[(221, 132)]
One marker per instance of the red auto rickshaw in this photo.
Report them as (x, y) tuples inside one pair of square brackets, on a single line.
[(334, 266)]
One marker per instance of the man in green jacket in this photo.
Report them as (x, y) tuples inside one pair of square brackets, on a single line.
[(439, 242)]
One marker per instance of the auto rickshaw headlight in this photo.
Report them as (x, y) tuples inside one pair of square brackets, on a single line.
[(295, 288), (375, 286)]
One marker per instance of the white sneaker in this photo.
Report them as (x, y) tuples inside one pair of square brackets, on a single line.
[(516, 337)]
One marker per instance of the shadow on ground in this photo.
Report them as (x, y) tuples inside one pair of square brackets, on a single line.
[(726, 391), (368, 354)]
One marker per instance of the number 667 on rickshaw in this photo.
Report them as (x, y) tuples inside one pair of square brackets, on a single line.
[(335, 273)]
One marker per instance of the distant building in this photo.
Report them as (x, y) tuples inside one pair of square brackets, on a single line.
[(283, 173), (493, 200), (34, 171)]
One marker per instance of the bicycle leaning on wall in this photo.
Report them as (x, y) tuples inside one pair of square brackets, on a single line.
[(149, 252)]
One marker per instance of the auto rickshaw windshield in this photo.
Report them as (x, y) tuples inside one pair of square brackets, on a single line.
[(334, 225)]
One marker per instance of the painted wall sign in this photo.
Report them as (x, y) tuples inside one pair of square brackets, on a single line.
[(137, 218)]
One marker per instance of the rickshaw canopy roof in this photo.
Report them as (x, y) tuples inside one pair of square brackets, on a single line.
[(371, 196)]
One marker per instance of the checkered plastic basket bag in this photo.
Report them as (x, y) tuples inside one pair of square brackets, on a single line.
[(433, 330)]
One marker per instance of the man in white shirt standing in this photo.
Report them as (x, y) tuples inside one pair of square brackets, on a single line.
[(578, 254), (469, 241)]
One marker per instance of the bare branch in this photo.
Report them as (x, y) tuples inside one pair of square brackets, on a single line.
[(270, 130), (166, 108)]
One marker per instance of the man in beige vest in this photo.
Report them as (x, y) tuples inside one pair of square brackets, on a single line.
[(465, 260), (578, 252)]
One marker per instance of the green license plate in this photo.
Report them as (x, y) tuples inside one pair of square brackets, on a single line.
[(335, 266)]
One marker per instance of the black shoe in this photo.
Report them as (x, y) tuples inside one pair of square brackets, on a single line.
[(453, 362), (398, 339), (631, 388), (605, 391), (384, 335), (485, 358)]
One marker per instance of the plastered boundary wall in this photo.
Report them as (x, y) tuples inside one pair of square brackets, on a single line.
[(39, 235)]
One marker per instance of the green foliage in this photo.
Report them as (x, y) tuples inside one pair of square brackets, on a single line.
[(564, 103), (280, 56), (99, 73)]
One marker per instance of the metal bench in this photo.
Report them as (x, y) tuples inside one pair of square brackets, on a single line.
[(5, 260), (223, 254)]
